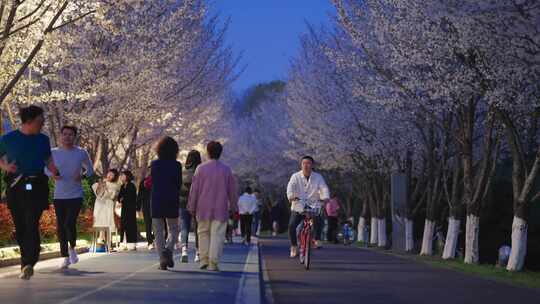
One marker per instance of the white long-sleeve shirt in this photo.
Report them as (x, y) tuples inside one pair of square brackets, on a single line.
[(312, 189), (247, 204)]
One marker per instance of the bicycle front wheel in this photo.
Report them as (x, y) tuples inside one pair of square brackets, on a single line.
[(307, 255), (302, 238)]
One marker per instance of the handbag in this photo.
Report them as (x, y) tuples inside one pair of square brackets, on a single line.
[(118, 209)]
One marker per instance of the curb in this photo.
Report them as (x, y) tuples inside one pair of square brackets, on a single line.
[(46, 260), (42, 257), (267, 296), (249, 288)]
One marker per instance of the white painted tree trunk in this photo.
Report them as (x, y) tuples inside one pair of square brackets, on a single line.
[(374, 231), (519, 245), (450, 244), (409, 240), (427, 239), (361, 228), (382, 232), (472, 233)]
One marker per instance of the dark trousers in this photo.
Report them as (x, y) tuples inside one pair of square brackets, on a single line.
[(128, 225), (297, 219), (294, 221), (26, 207), (245, 226), (67, 212), (332, 229), (148, 223), (26, 222), (255, 221), (318, 223), (187, 219)]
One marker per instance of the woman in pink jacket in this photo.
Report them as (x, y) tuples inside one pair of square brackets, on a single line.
[(332, 208), (212, 197)]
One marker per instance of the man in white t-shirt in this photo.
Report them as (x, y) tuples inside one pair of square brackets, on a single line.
[(73, 163), (304, 185), (247, 206)]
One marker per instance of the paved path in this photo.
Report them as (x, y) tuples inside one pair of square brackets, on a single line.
[(342, 274), (132, 277)]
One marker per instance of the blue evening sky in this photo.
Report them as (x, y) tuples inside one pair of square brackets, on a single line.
[(267, 32)]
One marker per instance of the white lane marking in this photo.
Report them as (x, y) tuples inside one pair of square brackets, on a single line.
[(98, 289), (249, 290)]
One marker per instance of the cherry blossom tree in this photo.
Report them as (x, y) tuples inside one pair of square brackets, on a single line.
[(25, 26), (133, 72)]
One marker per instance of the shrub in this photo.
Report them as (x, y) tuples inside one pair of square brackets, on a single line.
[(47, 224), (7, 228)]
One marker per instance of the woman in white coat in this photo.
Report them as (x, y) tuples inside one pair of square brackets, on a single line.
[(106, 192)]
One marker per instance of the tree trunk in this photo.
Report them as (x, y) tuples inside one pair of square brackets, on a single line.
[(472, 234), (361, 228), (104, 155), (409, 238), (519, 244), (382, 232), (427, 239), (374, 231), (450, 244)]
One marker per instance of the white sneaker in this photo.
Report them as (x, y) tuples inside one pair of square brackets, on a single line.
[(294, 251), (184, 258), (197, 257), (132, 247), (73, 258), (151, 246), (65, 263)]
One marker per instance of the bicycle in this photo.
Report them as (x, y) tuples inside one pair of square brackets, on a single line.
[(310, 211)]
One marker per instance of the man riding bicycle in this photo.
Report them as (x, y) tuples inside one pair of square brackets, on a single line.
[(305, 185)]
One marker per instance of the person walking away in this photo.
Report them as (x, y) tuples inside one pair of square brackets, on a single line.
[(258, 212), (212, 197), (106, 192), (24, 155), (332, 208), (247, 204), (127, 197), (143, 205), (304, 185), (193, 160), (166, 174), (74, 163), (275, 214)]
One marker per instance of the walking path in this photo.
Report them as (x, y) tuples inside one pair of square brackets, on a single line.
[(339, 274), (345, 274), (133, 277)]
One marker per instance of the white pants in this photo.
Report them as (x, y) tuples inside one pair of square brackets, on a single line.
[(211, 240)]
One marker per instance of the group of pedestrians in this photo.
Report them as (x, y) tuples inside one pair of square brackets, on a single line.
[(172, 198), (27, 160), (201, 194), (116, 195)]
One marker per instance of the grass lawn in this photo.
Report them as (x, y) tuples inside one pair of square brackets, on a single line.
[(524, 278)]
